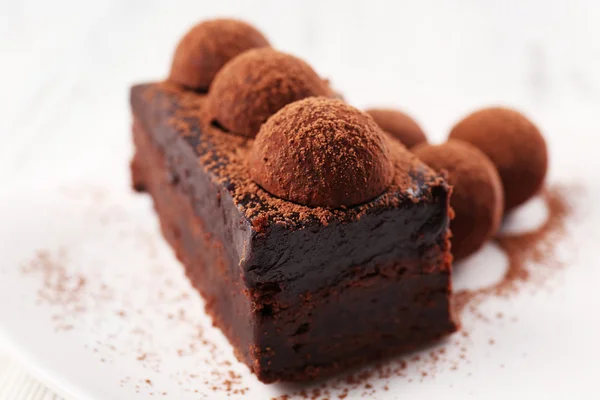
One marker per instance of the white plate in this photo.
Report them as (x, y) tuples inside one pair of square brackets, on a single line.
[(133, 328)]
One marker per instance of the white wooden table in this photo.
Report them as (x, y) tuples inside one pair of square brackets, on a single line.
[(66, 65)]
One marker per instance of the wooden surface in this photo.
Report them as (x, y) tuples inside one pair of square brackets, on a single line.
[(67, 65)]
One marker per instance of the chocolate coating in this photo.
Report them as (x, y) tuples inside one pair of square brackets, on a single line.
[(477, 197), (207, 47), (258, 83), (321, 152), (515, 146), (399, 125)]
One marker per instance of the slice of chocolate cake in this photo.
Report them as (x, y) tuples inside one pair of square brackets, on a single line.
[(318, 245)]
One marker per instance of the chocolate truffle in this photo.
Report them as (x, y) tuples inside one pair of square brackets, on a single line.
[(321, 152), (399, 126), (207, 47), (477, 197), (256, 84), (515, 146)]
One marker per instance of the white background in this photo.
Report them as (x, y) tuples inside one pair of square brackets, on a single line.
[(66, 66)]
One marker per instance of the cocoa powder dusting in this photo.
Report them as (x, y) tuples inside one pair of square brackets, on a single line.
[(63, 291)]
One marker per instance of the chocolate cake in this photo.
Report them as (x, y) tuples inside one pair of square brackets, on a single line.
[(317, 243), (299, 291)]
